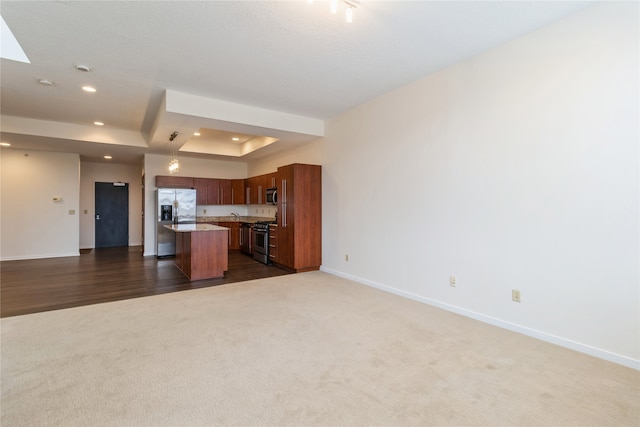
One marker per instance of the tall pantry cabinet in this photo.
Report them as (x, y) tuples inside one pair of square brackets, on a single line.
[(299, 217)]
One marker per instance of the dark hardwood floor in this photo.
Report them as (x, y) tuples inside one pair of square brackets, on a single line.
[(102, 275)]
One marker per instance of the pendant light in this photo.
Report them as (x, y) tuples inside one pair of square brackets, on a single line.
[(174, 165)]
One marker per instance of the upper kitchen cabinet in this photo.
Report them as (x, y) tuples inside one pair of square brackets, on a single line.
[(200, 185), (255, 188), (213, 191), (224, 192), (271, 180), (250, 197), (299, 217), (237, 191), (163, 181), (262, 189)]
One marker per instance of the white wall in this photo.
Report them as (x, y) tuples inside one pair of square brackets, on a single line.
[(311, 153), (90, 173), (32, 225), (517, 169), (158, 165)]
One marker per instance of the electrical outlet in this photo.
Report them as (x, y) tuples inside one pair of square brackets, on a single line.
[(452, 281), (346, 258), (204, 211), (515, 295)]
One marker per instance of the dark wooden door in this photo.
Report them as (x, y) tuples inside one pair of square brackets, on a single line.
[(112, 214)]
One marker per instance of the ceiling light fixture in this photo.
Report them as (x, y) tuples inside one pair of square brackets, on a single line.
[(98, 123), (5, 144), (196, 134), (333, 6), (83, 68), (235, 139), (174, 166), (45, 82), (88, 89), (350, 4), (108, 157)]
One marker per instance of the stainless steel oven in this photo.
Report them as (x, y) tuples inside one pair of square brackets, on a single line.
[(261, 241)]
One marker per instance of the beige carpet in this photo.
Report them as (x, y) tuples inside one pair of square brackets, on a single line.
[(301, 350)]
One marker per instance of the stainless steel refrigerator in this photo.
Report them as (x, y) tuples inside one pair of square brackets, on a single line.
[(174, 206)]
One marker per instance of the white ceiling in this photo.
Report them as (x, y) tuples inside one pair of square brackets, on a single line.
[(284, 61)]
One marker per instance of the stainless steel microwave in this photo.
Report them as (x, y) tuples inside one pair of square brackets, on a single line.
[(272, 196)]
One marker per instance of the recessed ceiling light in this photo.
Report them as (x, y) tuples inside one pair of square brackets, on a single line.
[(88, 89), (5, 144), (235, 139), (196, 134), (108, 157), (45, 82), (98, 123)]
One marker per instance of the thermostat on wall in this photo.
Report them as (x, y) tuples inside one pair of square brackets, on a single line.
[(57, 199)]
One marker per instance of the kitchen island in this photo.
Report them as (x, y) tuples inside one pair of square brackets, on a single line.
[(201, 250)]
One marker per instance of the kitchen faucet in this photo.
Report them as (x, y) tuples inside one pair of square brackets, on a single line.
[(235, 214)]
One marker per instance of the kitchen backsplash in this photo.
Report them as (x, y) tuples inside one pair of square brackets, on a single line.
[(242, 210)]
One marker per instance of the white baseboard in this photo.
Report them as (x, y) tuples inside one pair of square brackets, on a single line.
[(39, 256), (543, 336)]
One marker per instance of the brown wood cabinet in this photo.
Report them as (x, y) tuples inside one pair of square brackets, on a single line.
[(200, 185), (224, 191), (271, 180), (255, 190), (163, 181), (250, 196), (202, 254), (263, 183), (234, 234), (273, 243), (299, 235), (237, 191), (215, 191)]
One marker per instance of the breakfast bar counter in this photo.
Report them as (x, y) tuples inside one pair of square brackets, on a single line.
[(201, 250)]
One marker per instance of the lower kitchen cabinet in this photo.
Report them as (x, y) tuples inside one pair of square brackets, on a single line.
[(273, 243), (234, 234), (202, 254)]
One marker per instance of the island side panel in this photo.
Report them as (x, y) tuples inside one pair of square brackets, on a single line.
[(209, 254), (183, 253), (187, 254)]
